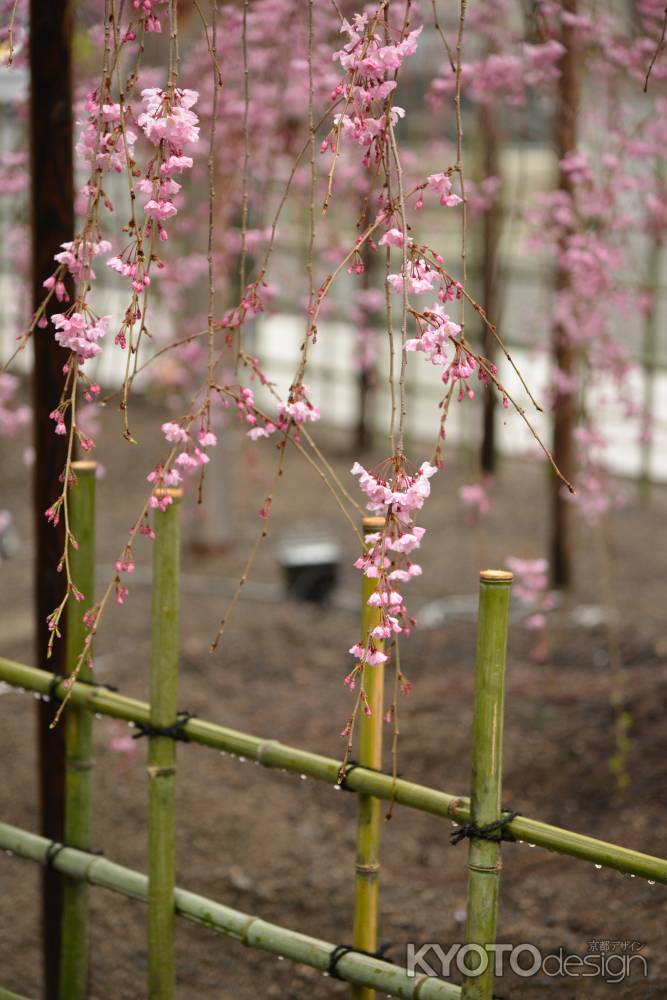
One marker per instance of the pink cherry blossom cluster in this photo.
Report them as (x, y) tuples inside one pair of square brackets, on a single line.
[(296, 411), (168, 123), (80, 333), (149, 12), (105, 143), (366, 89), (191, 457), (437, 333), (387, 556)]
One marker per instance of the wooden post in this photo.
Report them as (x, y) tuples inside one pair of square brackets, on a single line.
[(487, 772), (369, 808), (52, 209), (162, 751), (491, 236), (563, 353), (654, 269), (78, 739)]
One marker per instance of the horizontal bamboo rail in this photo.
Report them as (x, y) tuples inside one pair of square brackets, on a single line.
[(252, 931), (272, 754)]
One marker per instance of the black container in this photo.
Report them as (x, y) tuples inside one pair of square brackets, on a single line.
[(310, 569)]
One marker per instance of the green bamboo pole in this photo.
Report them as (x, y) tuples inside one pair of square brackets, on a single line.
[(250, 930), (367, 863), (75, 939), (272, 754), (487, 773), (162, 751), (8, 995)]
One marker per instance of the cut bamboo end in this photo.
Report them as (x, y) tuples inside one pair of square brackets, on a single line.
[(496, 576), (84, 466), (168, 491), (371, 524)]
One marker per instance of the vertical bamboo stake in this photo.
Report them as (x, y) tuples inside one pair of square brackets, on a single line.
[(487, 768), (369, 808), (75, 941), (162, 751)]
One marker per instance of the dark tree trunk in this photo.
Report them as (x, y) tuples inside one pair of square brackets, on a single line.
[(491, 235), (366, 378), (52, 224), (565, 141)]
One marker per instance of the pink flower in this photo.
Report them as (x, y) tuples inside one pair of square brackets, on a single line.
[(159, 210), (174, 432), (167, 121), (80, 335), (442, 185), (207, 439), (392, 238)]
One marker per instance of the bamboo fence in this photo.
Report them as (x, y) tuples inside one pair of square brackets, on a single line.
[(281, 757), (160, 721), (363, 970)]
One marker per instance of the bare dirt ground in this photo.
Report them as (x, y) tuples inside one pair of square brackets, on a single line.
[(282, 848)]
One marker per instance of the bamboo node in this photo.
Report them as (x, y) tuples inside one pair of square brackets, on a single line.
[(160, 772), (486, 869), (79, 765), (245, 927), (367, 869), (263, 747)]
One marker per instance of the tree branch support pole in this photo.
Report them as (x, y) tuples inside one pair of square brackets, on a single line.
[(162, 751), (563, 352), (52, 214), (78, 740), (369, 808), (487, 768)]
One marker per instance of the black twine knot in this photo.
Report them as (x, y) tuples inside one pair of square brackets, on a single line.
[(175, 731), (492, 831), (52, 852), (350, 766), (345, 949)]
